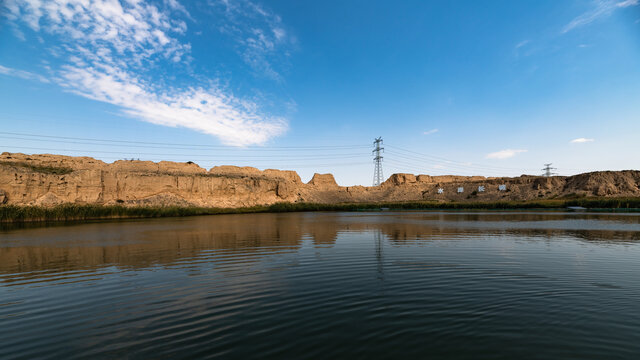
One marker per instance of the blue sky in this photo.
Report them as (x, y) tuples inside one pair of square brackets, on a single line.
[(456, 87)]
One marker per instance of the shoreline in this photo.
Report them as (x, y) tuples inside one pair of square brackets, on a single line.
[(75, 213)]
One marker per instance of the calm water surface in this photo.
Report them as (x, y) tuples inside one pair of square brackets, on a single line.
[(325, 286)]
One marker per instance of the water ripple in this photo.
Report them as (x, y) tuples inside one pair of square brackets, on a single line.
[(325, 285)]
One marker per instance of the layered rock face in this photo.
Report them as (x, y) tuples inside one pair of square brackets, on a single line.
[(52, 179)]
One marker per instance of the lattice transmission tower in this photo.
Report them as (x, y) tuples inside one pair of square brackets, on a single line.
[(377, 173), (548, 170)]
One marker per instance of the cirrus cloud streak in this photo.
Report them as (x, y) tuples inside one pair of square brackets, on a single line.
[(602, 9), (504, 154), (581, 140)]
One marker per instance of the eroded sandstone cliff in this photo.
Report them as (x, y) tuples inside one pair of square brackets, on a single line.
[(53, 179)]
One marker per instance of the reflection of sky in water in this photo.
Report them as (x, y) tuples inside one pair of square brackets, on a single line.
[(308, 285)]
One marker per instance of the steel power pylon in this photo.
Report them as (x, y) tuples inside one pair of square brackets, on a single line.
[(377, 173), (547, 170)]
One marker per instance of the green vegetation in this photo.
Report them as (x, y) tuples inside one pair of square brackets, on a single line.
[(605, 203), (39, 168), (590, 203), (12, 213)]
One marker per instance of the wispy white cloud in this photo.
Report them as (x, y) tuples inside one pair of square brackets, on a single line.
[(261, 37), (581, 140), (210, 111), (175, 5), (22, 74), (504, 154), (525, 48), (137, 30), (429, 132), (106, 48), (602, 8)]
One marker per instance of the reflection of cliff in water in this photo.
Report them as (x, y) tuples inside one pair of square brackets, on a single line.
[(412, 226), (246, 238), (401, 234)]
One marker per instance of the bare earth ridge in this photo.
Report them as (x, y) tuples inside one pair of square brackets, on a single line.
[(50, 180)]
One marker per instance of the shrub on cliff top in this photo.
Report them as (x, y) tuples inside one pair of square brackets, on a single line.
[(39, 168)]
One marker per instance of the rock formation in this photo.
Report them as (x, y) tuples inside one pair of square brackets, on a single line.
[(53, 179)]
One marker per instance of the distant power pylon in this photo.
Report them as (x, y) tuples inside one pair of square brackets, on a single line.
[(377, 173), (548, 170)]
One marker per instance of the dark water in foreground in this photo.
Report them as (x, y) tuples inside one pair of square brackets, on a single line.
[(325, 286)]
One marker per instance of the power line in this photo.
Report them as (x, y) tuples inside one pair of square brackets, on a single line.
[(449, 162), (400, 156), (548, 170), (282, 167), (453, 162), (404, 167), (190, 145), (377, 172), (231, 157), (416, 161), (421, 162)]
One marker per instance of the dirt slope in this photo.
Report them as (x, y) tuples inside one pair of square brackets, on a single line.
[(55, 179)]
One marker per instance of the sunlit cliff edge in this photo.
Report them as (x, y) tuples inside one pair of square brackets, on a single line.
[(49, 180)]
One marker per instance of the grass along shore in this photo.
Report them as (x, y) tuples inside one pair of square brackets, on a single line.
[(71, 212)]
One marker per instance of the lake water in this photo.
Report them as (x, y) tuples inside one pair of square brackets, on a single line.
[(388, 285)]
